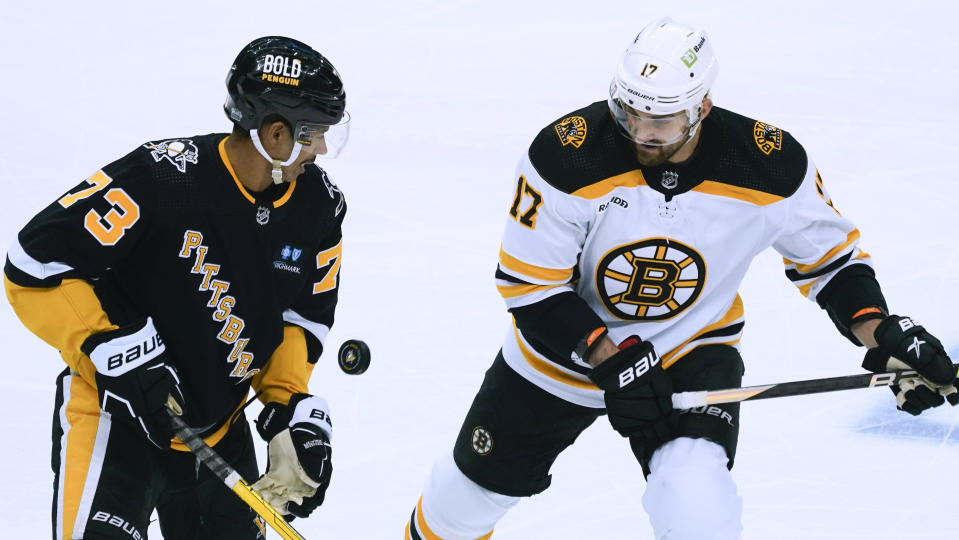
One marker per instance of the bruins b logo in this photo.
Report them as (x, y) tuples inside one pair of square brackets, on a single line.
[(571, 130), (650, 280)]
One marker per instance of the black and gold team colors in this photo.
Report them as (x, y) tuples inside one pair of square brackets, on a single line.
[(240, 286)]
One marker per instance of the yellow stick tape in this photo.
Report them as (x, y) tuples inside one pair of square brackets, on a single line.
[(265, 510)]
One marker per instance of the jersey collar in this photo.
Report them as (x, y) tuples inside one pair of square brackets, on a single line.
[(243, 191)]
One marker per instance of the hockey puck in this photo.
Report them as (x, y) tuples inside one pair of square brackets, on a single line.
[(354, 357)]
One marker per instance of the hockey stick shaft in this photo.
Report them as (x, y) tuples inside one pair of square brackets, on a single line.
[(692, 400), (228, 475)]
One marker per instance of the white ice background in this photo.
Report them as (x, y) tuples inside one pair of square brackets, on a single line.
[(445, 97)]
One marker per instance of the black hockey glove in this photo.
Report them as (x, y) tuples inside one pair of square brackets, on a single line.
[(637, 391), (904, 344), (133, 380), (299, 466)]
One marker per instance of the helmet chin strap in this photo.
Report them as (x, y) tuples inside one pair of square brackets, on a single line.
[(698, 112), (276, 173)]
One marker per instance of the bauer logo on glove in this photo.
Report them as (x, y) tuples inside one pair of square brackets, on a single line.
[(638, 369)]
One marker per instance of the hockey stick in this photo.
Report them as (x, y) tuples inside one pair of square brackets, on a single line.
[(703, 398), (228, 474)]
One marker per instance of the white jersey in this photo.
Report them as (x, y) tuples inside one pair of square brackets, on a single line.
[(658, 252)]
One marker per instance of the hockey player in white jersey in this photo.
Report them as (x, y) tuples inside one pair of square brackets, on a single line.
[(633, 223)]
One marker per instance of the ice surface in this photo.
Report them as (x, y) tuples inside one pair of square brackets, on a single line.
[(445, 96)]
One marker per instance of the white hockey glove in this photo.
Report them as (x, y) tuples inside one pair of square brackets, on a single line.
[(133, 379), (904, 344), (299, 465)]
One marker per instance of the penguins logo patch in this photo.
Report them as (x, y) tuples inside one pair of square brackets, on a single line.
[(481, 441), (768, 138), (179, 152), (650, 280), (571, 130)]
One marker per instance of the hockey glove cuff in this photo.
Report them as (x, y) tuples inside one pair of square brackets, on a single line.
[(904, 344), (133, 380), (637, 392), (300, 456)]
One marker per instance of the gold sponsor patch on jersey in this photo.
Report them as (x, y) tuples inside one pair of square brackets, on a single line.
[(571, 130), (768, 138), (650, 280)]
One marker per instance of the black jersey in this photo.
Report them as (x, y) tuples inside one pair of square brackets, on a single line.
[(169, 232)]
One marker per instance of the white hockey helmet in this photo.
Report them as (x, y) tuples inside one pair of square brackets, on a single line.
[(668, 69)]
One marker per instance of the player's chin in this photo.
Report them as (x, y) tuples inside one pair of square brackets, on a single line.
[(293, 172), (650, 156)]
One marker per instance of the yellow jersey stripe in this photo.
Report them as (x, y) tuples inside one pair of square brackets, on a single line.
[(537, 272), (512, 291), (735, 312), (753, 196), (80, 440), (806, 268), (210, 440), (421, 525), (548, 368), (603, 187), (229, 166), (677, 356)]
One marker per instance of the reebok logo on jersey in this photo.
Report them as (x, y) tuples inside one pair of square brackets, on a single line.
[(571, 130), (613, 201), (768, 138), (179, 152)]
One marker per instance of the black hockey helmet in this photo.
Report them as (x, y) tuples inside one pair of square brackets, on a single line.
[(283, 76)]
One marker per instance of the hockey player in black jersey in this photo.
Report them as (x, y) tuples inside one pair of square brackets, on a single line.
[(194, 267), (633, 223)]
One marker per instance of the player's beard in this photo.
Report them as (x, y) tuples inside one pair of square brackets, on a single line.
[(650, 156)]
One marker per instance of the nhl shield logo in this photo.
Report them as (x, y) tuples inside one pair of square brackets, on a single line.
[(179, 152), (262, 215), (670, 179), (768, 138), (571, 130)]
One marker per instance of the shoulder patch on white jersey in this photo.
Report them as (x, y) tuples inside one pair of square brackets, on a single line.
[(571, 130), (767, 137), (179, 152)]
